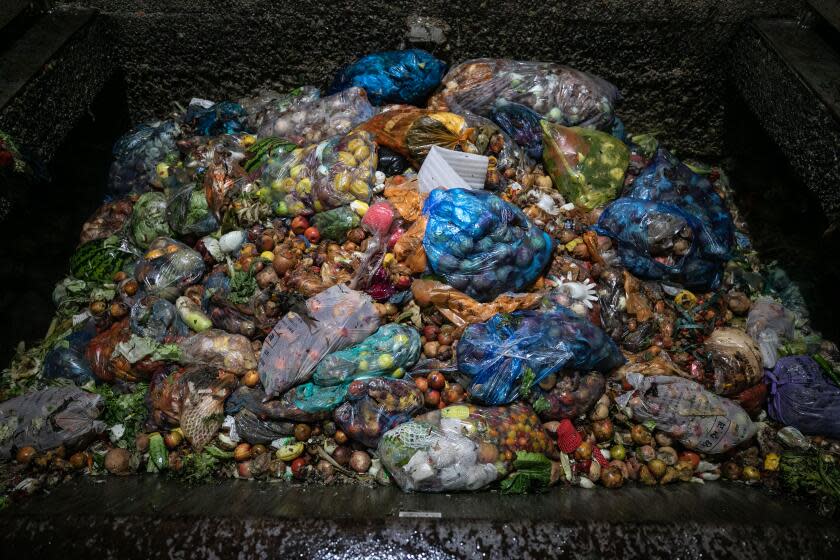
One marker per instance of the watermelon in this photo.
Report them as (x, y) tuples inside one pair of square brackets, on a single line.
[(263, 149), (98, 261)]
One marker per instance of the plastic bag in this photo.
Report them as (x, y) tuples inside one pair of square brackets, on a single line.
[(659, 241), (523, 125), (136, 155), (666, 179), (334, 224), (375, 406), (108, 219), (304, 403), (506, 159), (406, 76), (770, 324), (802, 396), (412, 132), (219, 349), (461, 447), (309, 121), (509, 354), (49, 418), (168, 267), (572, 396), (322, 176), (98, 260), (391, 163), (148, 219), (700, 420), (67, 358), (481, 244), (335, 319), (109, 365), (558, 93), (254, 430), (268, 103), (187, 211), (462, 310), (156, 318), (587, 166), (390, 351), (224, 117), (736, 362)]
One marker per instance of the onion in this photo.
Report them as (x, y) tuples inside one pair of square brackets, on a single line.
[(342, 455), (360, 461)]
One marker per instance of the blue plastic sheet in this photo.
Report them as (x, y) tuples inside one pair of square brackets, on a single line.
[(225, 117), (672, 226), (482, 245), (523, 125), (496, 355), (407, 76)]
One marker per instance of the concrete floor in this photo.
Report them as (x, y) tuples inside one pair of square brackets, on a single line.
[(155, 518)]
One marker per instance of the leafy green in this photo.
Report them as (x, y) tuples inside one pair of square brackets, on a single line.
[(128, 409), (200, 467), (532, 474), (541, 405), (242, 287), (528, 379), (810, 472)]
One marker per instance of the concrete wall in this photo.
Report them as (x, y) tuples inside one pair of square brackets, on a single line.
[(667, 56)]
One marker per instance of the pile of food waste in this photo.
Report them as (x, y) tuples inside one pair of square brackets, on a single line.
[(441, 279)]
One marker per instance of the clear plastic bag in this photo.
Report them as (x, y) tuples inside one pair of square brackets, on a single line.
[(375, 406), (335, 319), (109, 365), (587, 166), (49, 418), (522, 125), (462, 310), (168, 267), (558, 93), (334, 224), (156, 318), (770, 324), (108, 219), (735, 359), (461, 447), (136, 155), (802, 396), (572, 396), (697, 418), (411, 132), (219, 349), (321, 176), (309, 121), (406, 76), (269, 103), (187, 211), (390, 351), (97, 261), (148, 219), (481, 244), (525, 347)]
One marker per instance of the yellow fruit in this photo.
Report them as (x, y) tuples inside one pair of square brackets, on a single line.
[(360, 189), (341, 181), (771, 462), (295, 171), (290, 452), (347, 159), (267, 255), (361, 153), (355, 144), (304, 186)]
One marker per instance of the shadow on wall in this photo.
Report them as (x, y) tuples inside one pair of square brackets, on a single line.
[(41, 233)]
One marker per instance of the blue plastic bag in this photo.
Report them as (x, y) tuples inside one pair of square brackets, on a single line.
[(225, 117), (407, 76), (67, 358), (482, 245), (512, 349), (672, 226), (523, 125), (802, 396)]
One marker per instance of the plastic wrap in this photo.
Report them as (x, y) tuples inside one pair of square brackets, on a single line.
[(66, 360), (462, 310), (219, 349), (148, 219), (461, 447), (735, 360), (168, 267), (187, 211), (98, 260), (224, 117), (375, 406), (136, 155), (156, 318), (522, 125), (390, 351), (309, 121), (587, 166), (109, 365), (49, 418), (334, 319), (659, 241), (507, 160), (802, 396), (406, 76), (558, 93), (267, 103), (481, 244), (334, 224), (572, 396), (698, 419), (770, 324), (321, 176), (108, 219), (513, 349), (412, 132)]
